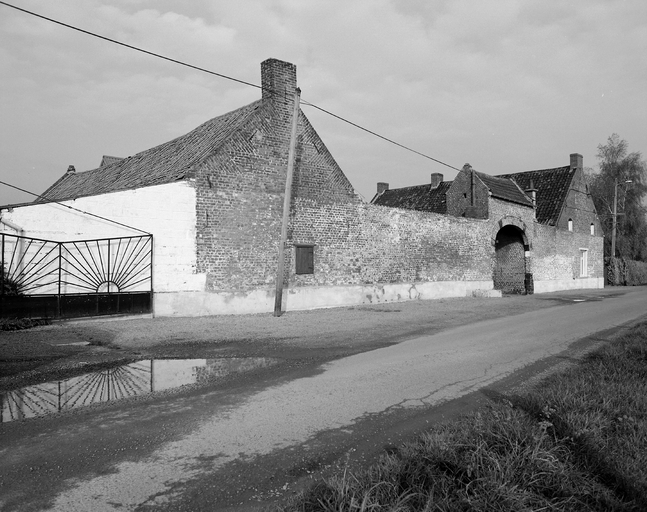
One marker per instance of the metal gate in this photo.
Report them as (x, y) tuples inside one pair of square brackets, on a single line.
[(47, 279)]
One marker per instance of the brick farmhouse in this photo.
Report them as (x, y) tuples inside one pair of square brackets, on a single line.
[(213, 200)]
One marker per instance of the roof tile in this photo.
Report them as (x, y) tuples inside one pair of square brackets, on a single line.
[(165, 163), (505, 189), (418, 197), (552, 187)]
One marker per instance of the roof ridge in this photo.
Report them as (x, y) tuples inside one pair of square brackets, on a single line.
[(561, 168)]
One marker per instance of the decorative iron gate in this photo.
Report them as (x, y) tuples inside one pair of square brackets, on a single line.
[(43, 278)]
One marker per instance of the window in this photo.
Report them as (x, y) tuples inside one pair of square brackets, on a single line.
[(304, 257), (570, 224), (584, 262), (592, 229)]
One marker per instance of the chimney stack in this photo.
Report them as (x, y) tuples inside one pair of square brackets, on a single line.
[(70, 170), (278, 80), (576, 161), (532, 192), (382, 187), (436, 179)]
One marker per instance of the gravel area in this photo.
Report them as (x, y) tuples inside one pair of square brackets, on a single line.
[(36, 354)]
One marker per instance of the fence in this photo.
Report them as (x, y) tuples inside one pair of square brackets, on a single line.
[(44, 278)]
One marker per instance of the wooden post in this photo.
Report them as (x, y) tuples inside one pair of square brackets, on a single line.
[(615, 219), (278, 299)]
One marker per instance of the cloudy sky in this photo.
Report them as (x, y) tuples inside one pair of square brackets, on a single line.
[(504, 85)]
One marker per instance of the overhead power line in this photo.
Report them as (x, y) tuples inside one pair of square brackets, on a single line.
[(377, 134), (72, 208), (93, 34), (198, 68)]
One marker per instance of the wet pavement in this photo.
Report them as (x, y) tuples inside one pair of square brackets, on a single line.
[(122, 382), (205, 439)]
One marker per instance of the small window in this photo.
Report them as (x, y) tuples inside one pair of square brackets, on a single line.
[(584, 262), (592, 229), (570, 224), (305, 259)]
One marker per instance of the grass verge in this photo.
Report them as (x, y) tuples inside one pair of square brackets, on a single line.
[(576, 442)]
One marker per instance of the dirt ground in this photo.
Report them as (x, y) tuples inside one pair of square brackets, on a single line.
[(68, 348)]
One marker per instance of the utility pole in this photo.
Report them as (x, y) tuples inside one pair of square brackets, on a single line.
[(615, 218), (278, 298)]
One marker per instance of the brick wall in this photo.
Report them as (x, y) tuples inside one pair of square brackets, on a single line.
[(459, 196), (240, 189), (556, 254), (554, 251), (579, 207), (369, 244)]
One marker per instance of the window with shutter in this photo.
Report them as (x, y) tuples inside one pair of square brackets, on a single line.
[(304, 259)]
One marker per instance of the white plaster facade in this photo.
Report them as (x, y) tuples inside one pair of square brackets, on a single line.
[(165, 211)]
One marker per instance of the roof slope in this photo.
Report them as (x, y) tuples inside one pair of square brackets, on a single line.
[(418, 197), (502, 187), (166, 163), (552, 187)]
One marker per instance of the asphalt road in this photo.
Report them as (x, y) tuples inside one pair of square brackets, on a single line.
[(239, 448)]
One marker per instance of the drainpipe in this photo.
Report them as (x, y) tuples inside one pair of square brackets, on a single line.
[(12, 226), (21, 241)]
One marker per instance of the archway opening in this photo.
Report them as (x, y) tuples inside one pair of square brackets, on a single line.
[(510, 266)]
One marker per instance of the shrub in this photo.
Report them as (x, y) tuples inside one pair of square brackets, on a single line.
[(636, 272), (9, 286), (19, 324)]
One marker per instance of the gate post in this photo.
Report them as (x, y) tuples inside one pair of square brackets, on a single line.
[(2, 268), (60, 276)]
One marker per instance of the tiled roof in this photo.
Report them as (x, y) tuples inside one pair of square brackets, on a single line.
[(552, 187), (505, 189), (165, 163), (419, 197)]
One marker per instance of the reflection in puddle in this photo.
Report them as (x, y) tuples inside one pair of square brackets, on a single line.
[(139, 378)]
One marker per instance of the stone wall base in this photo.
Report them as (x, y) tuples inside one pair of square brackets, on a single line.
[(311, 297), (555, 285)]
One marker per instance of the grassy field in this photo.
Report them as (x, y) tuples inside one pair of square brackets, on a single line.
[(576, 442)]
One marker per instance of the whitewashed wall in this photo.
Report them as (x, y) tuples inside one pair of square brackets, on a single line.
[(166, 211)]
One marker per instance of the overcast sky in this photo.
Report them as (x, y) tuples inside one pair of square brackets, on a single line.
[(507, 86)]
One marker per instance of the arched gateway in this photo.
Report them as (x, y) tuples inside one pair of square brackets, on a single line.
[(510, 246)]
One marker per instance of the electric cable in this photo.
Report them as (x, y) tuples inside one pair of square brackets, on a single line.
[(377, 134), (181, 63), (93, 34)]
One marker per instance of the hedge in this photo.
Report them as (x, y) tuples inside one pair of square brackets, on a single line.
[(622, 272)]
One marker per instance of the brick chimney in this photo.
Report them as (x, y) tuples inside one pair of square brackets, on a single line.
[(532, 192), (70, 170), (278, 80), (436, 179), (382, 187), (576, 161)]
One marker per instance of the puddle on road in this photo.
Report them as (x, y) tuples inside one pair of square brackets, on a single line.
[(130, 380)]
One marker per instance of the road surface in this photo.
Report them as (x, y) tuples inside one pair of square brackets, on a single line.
[(237, 449)]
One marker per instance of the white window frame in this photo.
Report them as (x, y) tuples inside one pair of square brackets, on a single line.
[(584, 262)]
